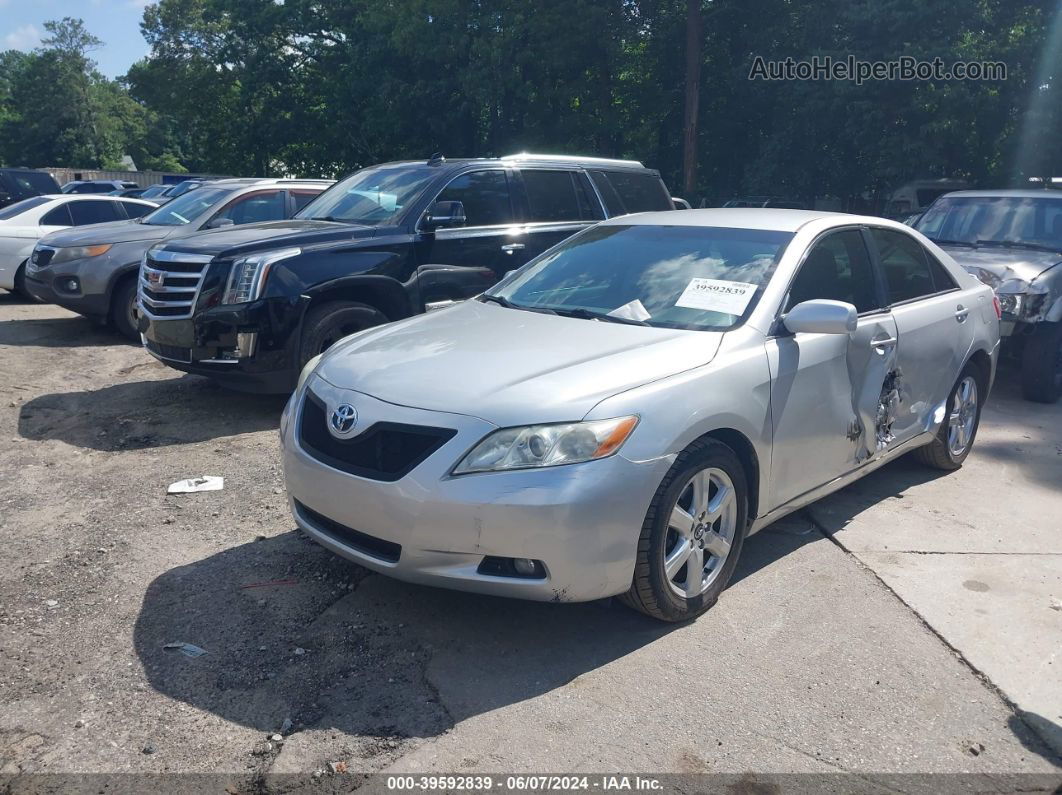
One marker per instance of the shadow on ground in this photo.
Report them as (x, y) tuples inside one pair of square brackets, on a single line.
[(381, 658), (141, 414), (1047, 729), (65, 331)]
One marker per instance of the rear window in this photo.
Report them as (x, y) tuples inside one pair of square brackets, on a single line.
[(20, 207), (631, 192)]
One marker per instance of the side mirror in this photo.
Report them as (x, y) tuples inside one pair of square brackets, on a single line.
[(821, 317), (443, 214), (219, 223)]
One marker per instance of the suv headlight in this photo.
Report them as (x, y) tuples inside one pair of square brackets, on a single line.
[(547, 445), (248, 275), (79, 252)]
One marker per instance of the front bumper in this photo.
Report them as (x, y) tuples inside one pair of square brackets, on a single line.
[(51, 288), (581, 521), (250, 347)]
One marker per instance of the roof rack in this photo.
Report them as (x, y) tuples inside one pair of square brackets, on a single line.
[(603, 161)]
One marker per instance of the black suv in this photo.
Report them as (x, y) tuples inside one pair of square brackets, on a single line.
[(250, 306), (17, 184)]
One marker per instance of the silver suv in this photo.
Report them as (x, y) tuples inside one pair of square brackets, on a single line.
[(616, 416), (93, 270)]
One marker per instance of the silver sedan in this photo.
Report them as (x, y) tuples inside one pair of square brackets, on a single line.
[(618, 415)]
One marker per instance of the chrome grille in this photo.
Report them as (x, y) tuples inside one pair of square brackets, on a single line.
[(170, 282)]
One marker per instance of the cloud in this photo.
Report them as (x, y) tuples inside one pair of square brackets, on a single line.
[(24, 38)]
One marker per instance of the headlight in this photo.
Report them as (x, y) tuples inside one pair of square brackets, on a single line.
[(79, 252), (1011, 303), (248, 275), (547, 445)]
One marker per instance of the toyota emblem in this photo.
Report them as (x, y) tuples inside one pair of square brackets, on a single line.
[(344, 418)]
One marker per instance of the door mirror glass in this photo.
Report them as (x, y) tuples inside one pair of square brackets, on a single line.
[(444, 213), (821, 316), (218, 223)]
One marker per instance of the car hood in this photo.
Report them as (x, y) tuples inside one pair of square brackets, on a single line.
[(110, 232), (999, 266), (508, 366), (267, 235)]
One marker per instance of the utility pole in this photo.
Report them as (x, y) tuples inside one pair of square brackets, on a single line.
[(694, 35)]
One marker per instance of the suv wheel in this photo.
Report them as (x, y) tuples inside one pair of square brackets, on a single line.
[(123, 309), (1041, 365), (328, 323), (955, 439), (692, 534)]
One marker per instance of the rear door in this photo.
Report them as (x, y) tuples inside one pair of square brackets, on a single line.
[(933, 323), (826, 388), (554, 204)]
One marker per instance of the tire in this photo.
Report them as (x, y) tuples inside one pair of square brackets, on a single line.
[(673, 598), (1041, 364), (20, 283), (123, 309), (950, 448), (327, 323)]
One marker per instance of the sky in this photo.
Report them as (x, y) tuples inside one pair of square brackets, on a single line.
[(117, 22)]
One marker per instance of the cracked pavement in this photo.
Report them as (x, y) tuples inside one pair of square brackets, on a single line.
[(863, 651)]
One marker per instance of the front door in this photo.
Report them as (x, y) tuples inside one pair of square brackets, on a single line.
[(827, 389)]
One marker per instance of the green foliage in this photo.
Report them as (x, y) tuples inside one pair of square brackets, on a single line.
[(321, 87)]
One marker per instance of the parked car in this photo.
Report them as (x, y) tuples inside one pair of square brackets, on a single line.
[(157, 193), (24, 223), (776, 202), (128, 193), (17, 184), (1012, 240), (616, 416), (249, 307), (94, 271), (914, 197), (97, 186), (181, 188)]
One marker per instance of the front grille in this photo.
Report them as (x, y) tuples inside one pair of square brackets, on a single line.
[(348, 536), (170, 282), (385, 451), (174, 352)]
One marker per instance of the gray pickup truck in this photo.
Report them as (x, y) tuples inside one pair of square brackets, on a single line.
[(1012, 241)]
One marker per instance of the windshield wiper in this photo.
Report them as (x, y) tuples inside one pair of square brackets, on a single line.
[(501, 301), (940, 242), (589, 314), (1019, 244)]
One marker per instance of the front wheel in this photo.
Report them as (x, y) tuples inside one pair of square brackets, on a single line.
[(956, 435), (1041, 364), (692, 534), (124, 311), (328, 323)]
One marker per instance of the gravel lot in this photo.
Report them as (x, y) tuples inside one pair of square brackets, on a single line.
[(808, 664)]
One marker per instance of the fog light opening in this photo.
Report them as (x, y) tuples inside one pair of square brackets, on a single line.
[(519, 568)]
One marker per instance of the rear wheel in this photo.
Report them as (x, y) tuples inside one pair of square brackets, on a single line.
[(1041, 364), (692, 534), (956, 435), (328, 323), (123, 309)]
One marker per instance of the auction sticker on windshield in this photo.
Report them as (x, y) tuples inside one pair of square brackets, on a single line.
[(714, 295)]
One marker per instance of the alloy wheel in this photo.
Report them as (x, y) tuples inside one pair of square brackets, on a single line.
[(963, 417), (701, 530)]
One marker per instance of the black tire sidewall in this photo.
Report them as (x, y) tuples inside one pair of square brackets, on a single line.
[(124, 293), (676, 608), (327, 319)]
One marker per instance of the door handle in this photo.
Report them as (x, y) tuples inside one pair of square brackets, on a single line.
[(960, 313), (509, 248), (883, 343)]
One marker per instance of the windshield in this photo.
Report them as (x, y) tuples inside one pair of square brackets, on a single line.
[(18, 208), (182, 188), (984, 220), (690, 277), (154, 190), (184, 209), (371, 196)]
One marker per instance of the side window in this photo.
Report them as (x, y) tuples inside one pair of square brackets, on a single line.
[(134, 210), (551, 195), (905, 265), (608, 194), (589, 206), (94, 212), (942, 280), (640, 192), (255, 207), (302, 198), (60, 216), (485, 195), (838, 268)]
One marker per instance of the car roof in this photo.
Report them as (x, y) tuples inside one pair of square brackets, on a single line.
[(252, 181), (526, 158), (770, 218), (1016, 193)]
